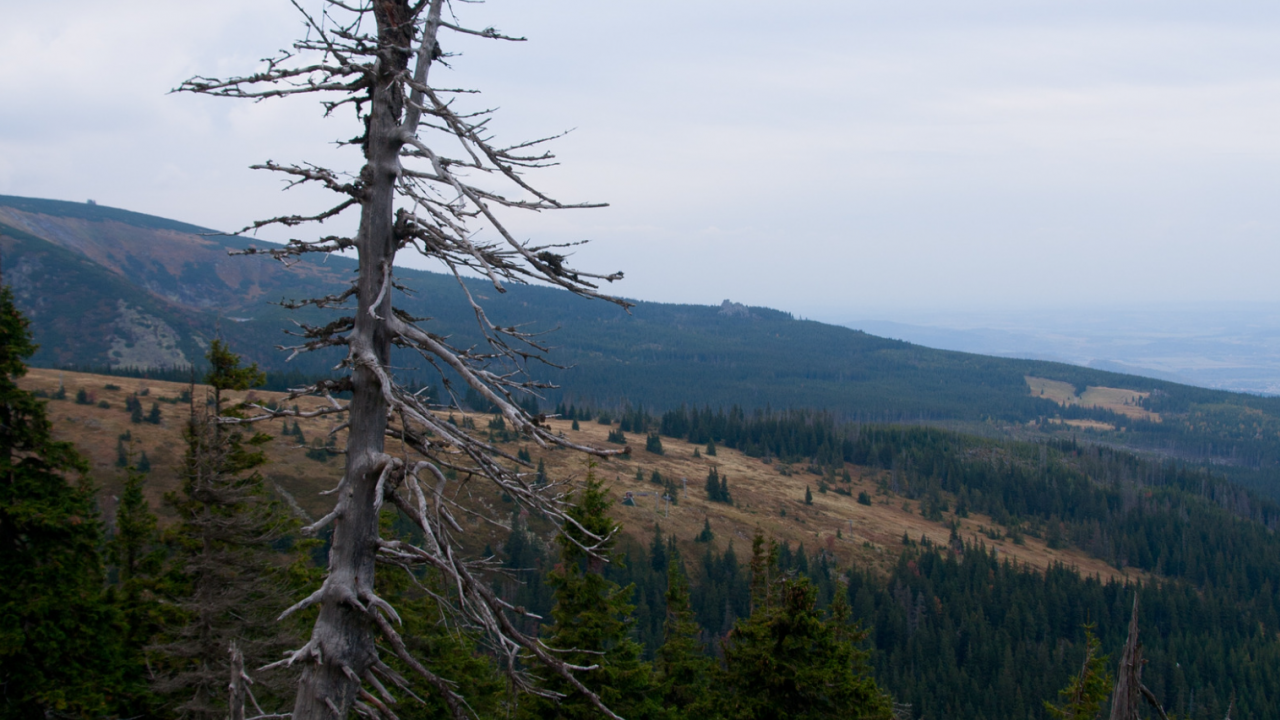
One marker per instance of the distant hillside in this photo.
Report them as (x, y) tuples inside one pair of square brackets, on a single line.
[(108, 288)]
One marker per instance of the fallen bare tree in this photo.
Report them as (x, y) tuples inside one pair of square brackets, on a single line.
[(432, 176)]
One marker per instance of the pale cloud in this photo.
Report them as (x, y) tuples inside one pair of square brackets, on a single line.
[(852, 154)]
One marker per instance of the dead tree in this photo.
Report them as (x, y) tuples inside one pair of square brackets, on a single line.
[(1129, 691), (432, 178), (236, 687)]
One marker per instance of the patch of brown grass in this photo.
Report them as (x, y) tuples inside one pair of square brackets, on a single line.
[(855, 533), (1118, 400)]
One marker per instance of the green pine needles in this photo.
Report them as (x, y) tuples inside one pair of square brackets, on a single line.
[(590, 622), (59, 652), (791, 660), (1089, 689)]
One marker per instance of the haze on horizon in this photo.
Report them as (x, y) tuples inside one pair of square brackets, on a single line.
[(838, 159)]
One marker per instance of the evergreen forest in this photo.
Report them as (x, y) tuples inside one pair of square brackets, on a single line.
[(123, 617)]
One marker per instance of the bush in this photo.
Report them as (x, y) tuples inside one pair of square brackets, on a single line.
[(863, 497), (104, 404), (617, 437)]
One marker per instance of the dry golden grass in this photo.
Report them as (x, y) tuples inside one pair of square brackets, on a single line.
[(867, 535), (1118, 400)]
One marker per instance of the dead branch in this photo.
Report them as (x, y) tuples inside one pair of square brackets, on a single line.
[(376, 59)]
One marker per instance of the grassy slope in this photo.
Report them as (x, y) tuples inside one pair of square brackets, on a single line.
[(869, 534)]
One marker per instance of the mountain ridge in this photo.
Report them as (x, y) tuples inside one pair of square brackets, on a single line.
[(108, 288)]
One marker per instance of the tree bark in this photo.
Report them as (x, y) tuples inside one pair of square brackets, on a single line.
[(1127, 696), (341, 57), (236, 686), (344, 632)]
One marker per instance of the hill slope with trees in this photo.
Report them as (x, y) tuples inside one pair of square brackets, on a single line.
[(115, 290)]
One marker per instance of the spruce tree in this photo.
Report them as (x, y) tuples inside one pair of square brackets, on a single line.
[(653, 444), (60, 652), (446, 648), (229, 581), (706, 535), (1089, 689), (659, 558), (789, 661), (137, 556), (590, 617), (683, 670)]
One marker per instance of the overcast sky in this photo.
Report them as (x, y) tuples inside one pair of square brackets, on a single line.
[(838, 159)]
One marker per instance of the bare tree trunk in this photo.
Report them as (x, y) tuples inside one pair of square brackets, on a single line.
[(427, 165), (236, 686), (1127, 695), (344, 633), (1129, 691)]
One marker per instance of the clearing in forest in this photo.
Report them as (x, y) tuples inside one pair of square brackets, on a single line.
[(1117, 400)]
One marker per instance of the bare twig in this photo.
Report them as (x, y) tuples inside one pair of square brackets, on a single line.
[(376, 58)]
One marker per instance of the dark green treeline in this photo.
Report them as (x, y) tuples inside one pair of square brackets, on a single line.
[(972, 636)]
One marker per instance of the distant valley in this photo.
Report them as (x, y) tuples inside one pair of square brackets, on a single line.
[(1233, 348)]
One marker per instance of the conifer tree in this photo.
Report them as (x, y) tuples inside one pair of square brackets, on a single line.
[(659, 558), (683, 670), (706, 535), (136, 553), (591, 623), (230, 582), (430, 631), (60, 654), (1084, 697), (788, 661), (122, 454), (653, 444)]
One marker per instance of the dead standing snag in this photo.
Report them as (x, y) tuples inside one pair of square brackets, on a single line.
[(432, 176), (1129, 692)]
